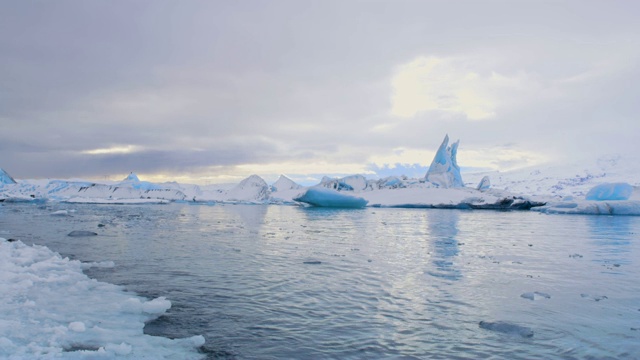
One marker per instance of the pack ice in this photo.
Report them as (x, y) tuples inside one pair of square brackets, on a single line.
[(51, 309)]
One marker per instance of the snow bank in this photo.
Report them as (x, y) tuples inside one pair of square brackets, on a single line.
[(320, 196), (50, 309)]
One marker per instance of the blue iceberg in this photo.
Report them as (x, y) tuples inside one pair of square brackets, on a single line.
[(444, 170), (610, 191), (319, 196)]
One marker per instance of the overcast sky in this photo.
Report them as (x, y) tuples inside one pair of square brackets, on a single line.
[(213, 91)]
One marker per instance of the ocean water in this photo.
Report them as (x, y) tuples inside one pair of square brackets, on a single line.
[(285, 282)]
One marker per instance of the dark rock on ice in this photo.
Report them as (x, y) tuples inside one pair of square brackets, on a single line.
[(77, 233), (507, 328)]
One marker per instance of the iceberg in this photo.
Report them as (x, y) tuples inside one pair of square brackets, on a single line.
[(444, 170), (284, 183), (323, 197), (610, 191), (484, 184), (251, 189), (5, 178)]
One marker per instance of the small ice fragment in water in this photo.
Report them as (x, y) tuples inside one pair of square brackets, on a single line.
[(535, 295), (594, 298), (506, 328), (82, 233)]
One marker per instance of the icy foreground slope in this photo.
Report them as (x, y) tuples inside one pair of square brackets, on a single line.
[(51, 309)]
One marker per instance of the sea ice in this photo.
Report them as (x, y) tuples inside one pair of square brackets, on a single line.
[(319, 196), (51, 309), (610, 191)]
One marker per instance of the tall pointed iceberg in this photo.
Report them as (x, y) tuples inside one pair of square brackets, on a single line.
[(444, 170), (5, 178)]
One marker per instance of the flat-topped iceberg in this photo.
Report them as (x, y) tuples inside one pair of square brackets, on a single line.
[(323, 197)]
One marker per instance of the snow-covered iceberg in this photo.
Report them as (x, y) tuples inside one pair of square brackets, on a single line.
[(283, 184), (251, 189), (323, 197)]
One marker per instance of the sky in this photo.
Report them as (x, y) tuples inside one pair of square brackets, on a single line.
[(214, 91)]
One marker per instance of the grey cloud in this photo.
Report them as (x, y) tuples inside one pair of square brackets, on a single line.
[(199, 84)]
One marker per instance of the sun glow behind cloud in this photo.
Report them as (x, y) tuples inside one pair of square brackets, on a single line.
[(454, 86), (127, 149)]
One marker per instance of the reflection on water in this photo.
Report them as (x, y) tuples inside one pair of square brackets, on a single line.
[(612, 236), (443, 228), (275, 282)]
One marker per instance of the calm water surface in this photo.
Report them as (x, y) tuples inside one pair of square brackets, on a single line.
[(278, 282)]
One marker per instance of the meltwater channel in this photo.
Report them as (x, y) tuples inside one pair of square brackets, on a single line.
[(286, 282)]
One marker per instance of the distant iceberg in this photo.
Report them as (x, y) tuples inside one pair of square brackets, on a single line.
[(323, 197), (251, 189), (284, 183), (5, 178), (610, 191)]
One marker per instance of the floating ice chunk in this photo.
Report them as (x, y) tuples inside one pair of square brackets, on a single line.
[(60, 213), (593, 297), (507, 328), (77, 233), (535, 295), (319, 196), (610, 191), (156, 306), (101, 264)]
